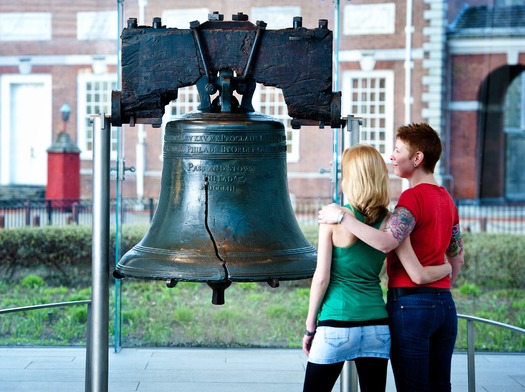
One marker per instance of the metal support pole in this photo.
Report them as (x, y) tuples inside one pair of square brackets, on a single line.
[(348, 379), (117, 316), (99, 334), (470, 357), (88, 350)]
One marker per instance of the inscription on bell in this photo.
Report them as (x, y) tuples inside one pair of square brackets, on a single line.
[(192, 167), (221, 176), (224, 149), (224, 138), (201, 150), (225, 155)]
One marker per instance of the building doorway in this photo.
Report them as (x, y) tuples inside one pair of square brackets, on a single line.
[(502, 135), (25, 130)]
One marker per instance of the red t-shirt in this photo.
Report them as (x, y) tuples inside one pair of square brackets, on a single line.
[(435, 214)]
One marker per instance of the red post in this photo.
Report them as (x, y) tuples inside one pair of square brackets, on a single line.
[(63, 172)]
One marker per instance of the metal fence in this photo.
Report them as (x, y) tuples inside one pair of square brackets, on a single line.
[(475, 216), (45, 212)]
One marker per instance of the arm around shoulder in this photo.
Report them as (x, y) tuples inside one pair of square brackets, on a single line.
[(417, 273), (383, 241)]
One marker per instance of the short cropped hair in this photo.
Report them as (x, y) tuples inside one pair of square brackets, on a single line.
[(422, 137)]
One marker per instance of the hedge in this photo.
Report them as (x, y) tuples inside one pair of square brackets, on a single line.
[(61, 254), (494, 260), (64, 254)]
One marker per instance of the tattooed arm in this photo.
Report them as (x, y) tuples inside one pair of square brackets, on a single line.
[(454, 252)]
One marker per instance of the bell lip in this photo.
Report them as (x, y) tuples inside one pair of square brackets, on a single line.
[(144, 263)]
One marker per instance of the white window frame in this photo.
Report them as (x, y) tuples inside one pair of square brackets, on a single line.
[(83, 126), (367, 116)]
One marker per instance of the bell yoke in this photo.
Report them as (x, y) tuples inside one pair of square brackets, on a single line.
[(224, 212)]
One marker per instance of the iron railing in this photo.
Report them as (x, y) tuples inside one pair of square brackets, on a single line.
[(475, 216), (471, 366), (45, 212)]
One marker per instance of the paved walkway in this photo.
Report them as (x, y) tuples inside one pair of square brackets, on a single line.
[(36, 369)]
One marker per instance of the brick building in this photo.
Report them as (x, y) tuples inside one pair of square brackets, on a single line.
[(457, 67)]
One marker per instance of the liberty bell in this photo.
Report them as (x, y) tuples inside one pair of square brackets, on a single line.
[(224, 213)]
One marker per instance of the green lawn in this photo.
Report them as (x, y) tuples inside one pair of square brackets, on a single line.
[(254, 315)]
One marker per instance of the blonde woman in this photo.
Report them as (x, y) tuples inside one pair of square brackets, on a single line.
[(347, 318)]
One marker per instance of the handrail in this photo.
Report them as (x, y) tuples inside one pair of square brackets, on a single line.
[(44, 306), (471, 366), (61, 304), (491, 322), (348, 379)]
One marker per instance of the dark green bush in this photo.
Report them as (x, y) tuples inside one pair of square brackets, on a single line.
[(494, 260), (63, 254), (491, 260), (56, 250), (60, 254)]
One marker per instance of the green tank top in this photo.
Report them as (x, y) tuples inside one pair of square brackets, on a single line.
[(354, 292)]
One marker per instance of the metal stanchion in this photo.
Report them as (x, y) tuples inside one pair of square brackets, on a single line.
[(88, 350), (471, 357), (348, 378), (98, 331)]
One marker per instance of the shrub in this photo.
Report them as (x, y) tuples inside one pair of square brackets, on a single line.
[(469, 289), (63, 255), (32, 282), (494, 260)]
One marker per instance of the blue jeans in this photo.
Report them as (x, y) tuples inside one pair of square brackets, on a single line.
[(423, 329)]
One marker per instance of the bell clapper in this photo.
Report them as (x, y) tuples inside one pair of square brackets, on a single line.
[(218, 291)]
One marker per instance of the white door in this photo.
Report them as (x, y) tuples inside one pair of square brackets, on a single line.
[(25, 129)]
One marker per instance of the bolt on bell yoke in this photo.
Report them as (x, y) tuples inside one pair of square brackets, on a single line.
[(224, 212)]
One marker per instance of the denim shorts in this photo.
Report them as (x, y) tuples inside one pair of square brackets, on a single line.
[(332, 345)]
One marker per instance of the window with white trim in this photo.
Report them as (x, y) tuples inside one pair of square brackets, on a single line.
[(370, 95), (187, 100), (94, 98)]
